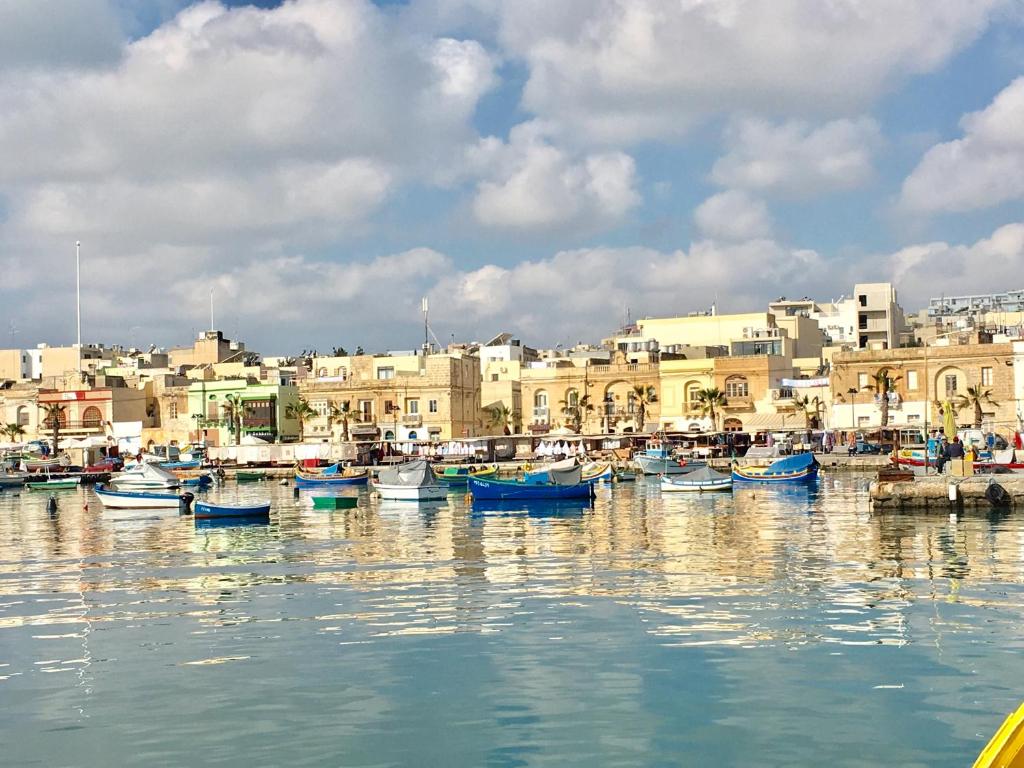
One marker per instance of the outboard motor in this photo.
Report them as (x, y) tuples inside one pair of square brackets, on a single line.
[(185, 503), (51, 505), (997, 495)]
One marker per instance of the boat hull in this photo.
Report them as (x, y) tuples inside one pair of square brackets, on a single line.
[(696, 486), (411, 492), (205, 510), (317, 480), (12, 481), (761, 476), (649, 465), (136, 499), (510, 490), (54, 485), (461, 479)]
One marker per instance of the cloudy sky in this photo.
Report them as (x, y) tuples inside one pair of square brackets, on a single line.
[(538, 166)]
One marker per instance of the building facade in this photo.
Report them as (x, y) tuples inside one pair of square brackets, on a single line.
[(264, 411)]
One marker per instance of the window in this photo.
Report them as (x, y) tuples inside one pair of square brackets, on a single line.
[(737, 386), (366, 410), (22, 416), (863, 421), (494, 377), (572, 398), (389, 406), (321, 407), (412, 407), (691, 395), (986, 377), (631, 403), (862, 381), (911, 379), (950, 385), (863, 299), (92, 417), (432, 406), (862, 322), (172, 410), (387, 372), (540, 399)]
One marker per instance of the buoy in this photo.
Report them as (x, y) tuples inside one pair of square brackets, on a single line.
[(295, 492), (997, 495), (185, 503)]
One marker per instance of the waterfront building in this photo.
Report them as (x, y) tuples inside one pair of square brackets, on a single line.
[(501, 363), (264, 411), (925, 376), (550, 387), (18, 405), (108, 409), (869, 319), (747, 333), (397, 396)]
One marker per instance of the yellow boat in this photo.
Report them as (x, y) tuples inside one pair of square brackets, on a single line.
[(1006, 749)]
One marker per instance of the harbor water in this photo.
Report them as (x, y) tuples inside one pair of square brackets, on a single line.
[(773, 626)]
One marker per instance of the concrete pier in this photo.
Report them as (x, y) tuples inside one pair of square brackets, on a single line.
[(935, 492)]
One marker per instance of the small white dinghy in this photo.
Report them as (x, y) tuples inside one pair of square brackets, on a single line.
[(698, 481)]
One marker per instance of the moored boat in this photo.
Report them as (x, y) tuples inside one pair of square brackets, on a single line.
[(459, 476), (658, 460), (792, 469), (490, 489), (55, 485), (411, 481), (139, 476), (698, 481), (250, 476), (14, 480), (332, 475), (206, 510), (115, 499)]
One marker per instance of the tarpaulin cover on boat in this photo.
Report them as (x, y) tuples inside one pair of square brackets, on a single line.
[(793, 463), (566, 476), (414, 474), (703, 474)]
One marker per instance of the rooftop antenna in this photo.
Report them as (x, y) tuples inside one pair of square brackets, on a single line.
[(425, 308)]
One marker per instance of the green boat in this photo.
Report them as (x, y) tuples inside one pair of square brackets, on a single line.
[(334, 502), (250, 477), (54, 485)]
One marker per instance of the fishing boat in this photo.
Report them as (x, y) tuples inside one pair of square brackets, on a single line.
[(589, 473), (332, 475), (566, 483), (191, 464), (113, 499), (1008, 459), (625, 475), (459, 476), (249, 476), (13, 480), (658, 460), (201, 480), (55, 485), (792, 469), (206, 510), (698, 481), (411, 481), (141, 476)]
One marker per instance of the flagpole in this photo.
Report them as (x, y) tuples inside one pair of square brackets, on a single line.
[(78, 298)]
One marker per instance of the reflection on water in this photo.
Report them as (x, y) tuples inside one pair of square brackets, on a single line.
[(771, 626)]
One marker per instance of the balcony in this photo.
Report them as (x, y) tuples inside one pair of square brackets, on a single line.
[(782, 395), (541, 415), (89, 425), (738, 402), (412, 420)]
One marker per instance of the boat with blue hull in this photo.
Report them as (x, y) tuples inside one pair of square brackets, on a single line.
[(459, 476), (199, 481), (502, 490), (332, 475), (206, 510), (114, 499), (589, 473), (802, 467)]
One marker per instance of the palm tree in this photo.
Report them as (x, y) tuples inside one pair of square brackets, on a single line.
[(233, 412), (643, 397), (301, 410), (342, 411), (498, 417), (810, 405), (710, 401), (884, 384), (52, 414), (575, 412), (13, 431), (975, 397)]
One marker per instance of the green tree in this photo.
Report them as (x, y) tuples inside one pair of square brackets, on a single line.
[(300, 410), (340, 411), (711, 401), (499, 417), (975, 397), (644, 395), (234, 412), (53, 413), (882, 386), (576, 412), (812, 408), (13, 431)]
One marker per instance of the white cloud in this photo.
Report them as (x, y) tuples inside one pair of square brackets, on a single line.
[(982, 169), (628, 70), (798, 158), (57, 33), (533, 185), (733, 215)]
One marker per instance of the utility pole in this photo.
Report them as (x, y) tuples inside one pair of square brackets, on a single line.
[(78, 301)]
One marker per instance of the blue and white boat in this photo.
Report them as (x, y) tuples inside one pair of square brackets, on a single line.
[(199, 481), (658, 460), (565, 483), (589, 473), (793, 469), (206, 510), (332, 475), (136, 499)]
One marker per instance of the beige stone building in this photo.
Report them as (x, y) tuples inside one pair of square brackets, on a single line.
[(209, 348), (925, 376), (396, 397)]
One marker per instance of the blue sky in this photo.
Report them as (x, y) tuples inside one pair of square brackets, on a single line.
[(531, 166)]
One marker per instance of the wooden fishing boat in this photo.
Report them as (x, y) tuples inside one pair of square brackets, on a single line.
[(411, 481), (137, 499), (489, 489), (332, 475), (589, 473), (800, 468), (698, 481), (206, 510), (55, 485), (459, 476), (250, 476)]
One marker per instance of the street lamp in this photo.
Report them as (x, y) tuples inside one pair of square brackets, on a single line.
[(852, 392)]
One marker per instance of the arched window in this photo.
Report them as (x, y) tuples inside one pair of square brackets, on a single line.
[(736, 386), (22, 415), (92, 417), (321, 373), (732, 425), (62, 419), (540, 399), (691, 395), (412, 435), (572, 398), (389, 435)]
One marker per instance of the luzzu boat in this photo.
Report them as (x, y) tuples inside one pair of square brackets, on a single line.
[(792, 469), (459, 476), (589, 473), (332, 475), (207, 510), (563, 484)]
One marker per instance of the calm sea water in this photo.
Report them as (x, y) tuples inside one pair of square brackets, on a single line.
[(772, 627)]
